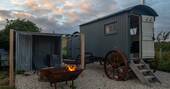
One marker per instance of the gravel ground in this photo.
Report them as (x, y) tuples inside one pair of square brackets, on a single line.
[(92, 78)]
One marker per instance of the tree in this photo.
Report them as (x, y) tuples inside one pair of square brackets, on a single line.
[(18, 25), (161, 38)]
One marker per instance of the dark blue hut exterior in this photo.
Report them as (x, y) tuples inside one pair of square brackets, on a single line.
[(114, 32)]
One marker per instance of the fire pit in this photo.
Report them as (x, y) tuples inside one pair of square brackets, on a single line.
[(55, 75)]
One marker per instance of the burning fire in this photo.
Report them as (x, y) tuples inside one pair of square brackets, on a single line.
[(71, 67)]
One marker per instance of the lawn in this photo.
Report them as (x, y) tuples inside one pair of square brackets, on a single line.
[(6, 87)]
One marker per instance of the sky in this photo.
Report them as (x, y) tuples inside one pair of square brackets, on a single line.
[(65, 16)]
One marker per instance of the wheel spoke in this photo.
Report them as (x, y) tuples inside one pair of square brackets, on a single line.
[(115, 65)]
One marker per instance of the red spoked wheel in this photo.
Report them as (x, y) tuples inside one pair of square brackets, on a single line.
[(116, 65)]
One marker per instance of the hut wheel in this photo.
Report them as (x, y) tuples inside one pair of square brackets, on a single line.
[(116, 65)]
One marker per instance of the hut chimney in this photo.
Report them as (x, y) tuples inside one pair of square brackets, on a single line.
[(143, 2)]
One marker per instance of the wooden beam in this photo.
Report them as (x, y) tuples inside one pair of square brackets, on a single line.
[(82, 50), (11, 58)]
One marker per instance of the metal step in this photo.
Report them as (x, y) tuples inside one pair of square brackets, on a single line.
[(143, 72)]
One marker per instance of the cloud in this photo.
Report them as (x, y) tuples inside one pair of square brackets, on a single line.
[(52, 7), (162, 21), (22, 14), (5, 14), (32, 4), (47, 24), (18, 2), (66, 15), (62, 15)]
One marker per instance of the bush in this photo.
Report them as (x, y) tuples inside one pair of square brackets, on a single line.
[(164, 63)]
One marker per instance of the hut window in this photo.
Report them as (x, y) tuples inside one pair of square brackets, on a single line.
[(110, 28), (133, 31)]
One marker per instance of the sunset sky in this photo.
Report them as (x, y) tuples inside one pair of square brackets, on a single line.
[(64, 16)]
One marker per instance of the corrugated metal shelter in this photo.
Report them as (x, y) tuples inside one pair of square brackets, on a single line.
[(74, 45), (113, 32), (32, 50)]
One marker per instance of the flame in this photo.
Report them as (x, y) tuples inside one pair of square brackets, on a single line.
[(71, 67)]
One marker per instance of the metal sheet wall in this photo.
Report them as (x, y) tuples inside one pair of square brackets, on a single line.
[(44, 46), (29, 48), (23, 53)]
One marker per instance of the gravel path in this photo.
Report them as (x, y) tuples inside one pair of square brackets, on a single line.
[(92, 78)]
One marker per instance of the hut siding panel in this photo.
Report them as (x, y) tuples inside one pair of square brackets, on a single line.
[(99, 44), (23, 52)]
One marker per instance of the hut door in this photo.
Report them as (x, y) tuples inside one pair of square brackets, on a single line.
[(134, 33), (147, 37)]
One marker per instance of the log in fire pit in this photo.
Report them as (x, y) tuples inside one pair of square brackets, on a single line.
[(63, 74)]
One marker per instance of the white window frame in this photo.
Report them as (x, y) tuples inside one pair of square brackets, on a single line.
[(110, 28)]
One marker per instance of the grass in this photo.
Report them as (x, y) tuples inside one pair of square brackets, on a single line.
[(6, 87), (164, 63), (4, 81), (2, 75)]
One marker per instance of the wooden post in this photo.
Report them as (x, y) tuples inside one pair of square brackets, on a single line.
[(11, 58), (82, 50)]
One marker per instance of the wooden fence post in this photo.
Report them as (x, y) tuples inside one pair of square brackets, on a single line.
[(11, 58), (82, 50)]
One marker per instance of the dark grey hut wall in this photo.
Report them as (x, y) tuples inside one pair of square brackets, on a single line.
[(99, 43)]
